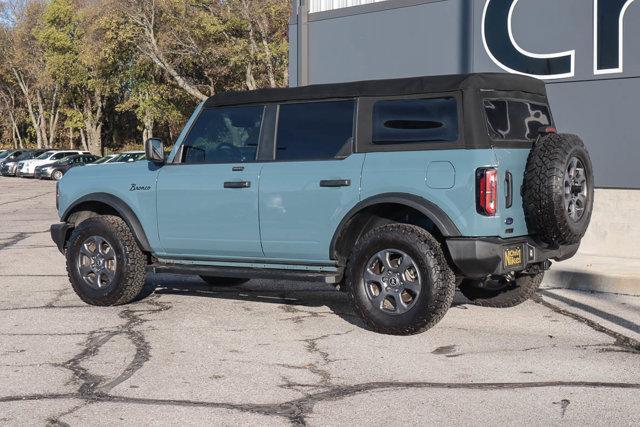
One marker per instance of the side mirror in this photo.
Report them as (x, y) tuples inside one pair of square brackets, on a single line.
[(154, 150)]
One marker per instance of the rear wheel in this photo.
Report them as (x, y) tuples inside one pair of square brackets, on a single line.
[(500, 292), (399, 280), (224, 281)]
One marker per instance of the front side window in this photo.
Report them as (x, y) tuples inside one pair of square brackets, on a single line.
[(224, 135), (315, 130), (415, 121), (515, 120)]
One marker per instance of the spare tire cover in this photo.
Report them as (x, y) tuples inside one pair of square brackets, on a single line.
[(558, 189)]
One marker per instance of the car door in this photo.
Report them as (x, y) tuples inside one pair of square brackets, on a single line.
[(312, 182), (208, 201)]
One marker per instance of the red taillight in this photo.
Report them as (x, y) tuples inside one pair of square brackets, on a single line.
[(547, 129), (487, 191)]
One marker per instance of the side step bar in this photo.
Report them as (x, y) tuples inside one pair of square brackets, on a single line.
[(331, 277)]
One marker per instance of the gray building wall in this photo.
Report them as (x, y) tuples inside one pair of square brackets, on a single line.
[(399, 38)]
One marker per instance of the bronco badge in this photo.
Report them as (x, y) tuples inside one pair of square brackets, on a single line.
[(135, 187)]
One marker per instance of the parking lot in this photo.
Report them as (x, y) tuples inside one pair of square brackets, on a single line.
[(282, 352)]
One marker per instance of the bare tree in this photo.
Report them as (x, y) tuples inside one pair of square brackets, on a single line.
[(144, 14)]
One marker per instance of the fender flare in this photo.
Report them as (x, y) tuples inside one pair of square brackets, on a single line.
[(120, 206), (432, 211)]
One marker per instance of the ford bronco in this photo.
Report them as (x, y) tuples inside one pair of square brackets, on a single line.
[(396, 191)]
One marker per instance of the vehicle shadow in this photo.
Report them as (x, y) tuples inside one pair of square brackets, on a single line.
[(288, 293)]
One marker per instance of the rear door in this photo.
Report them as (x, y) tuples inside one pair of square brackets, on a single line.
[(513, 125), (313, 180), (208, 202)]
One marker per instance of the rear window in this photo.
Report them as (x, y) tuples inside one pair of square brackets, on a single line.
[(515, 120), (415, 120)]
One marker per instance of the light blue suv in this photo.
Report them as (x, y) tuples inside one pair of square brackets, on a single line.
[(396, 191)]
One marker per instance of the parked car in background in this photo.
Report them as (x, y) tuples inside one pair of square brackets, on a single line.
[(9, 168), (127, 157), (105, 159), (28, 167), (57, 169), (9, 156)]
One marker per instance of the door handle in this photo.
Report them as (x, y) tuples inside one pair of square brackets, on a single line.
[(335, 183), (237, 184), (509, 184)]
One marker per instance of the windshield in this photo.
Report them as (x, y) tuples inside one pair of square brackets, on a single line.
[(45, 155), (5, 154)]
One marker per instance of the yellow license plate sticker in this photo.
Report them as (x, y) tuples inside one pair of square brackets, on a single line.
[(513, 257)]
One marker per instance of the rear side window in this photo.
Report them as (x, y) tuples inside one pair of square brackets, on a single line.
[(315, 130), (224, 135), (415, 120), (515, 120)]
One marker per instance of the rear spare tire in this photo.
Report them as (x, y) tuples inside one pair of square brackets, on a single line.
[(558, 189)]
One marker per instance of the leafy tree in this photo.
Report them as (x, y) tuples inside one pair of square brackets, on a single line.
[(26, 62), (115, 72)]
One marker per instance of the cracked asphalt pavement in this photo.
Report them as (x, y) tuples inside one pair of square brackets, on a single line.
[(271, 352)]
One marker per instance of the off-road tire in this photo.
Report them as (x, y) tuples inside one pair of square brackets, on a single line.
[(512, 295), (224, 281), (438, 285), (130, 272), (543, 189)]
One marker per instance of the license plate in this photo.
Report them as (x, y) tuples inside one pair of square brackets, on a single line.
[(513, 257)]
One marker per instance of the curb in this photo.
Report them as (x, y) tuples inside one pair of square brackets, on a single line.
[(592, 281)]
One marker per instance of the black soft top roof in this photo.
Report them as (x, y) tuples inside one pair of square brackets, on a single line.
[(392, 87)]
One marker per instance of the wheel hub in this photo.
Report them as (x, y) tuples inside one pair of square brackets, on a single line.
[(576, 189), (392, 281), (97, 262), (395, 281)]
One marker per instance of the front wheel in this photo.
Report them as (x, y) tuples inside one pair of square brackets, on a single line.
[(500, 292), (106, 266), (398, 280), (57, 175)]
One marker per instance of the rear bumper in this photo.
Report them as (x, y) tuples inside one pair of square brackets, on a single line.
[(484, 256), (59, 234)]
